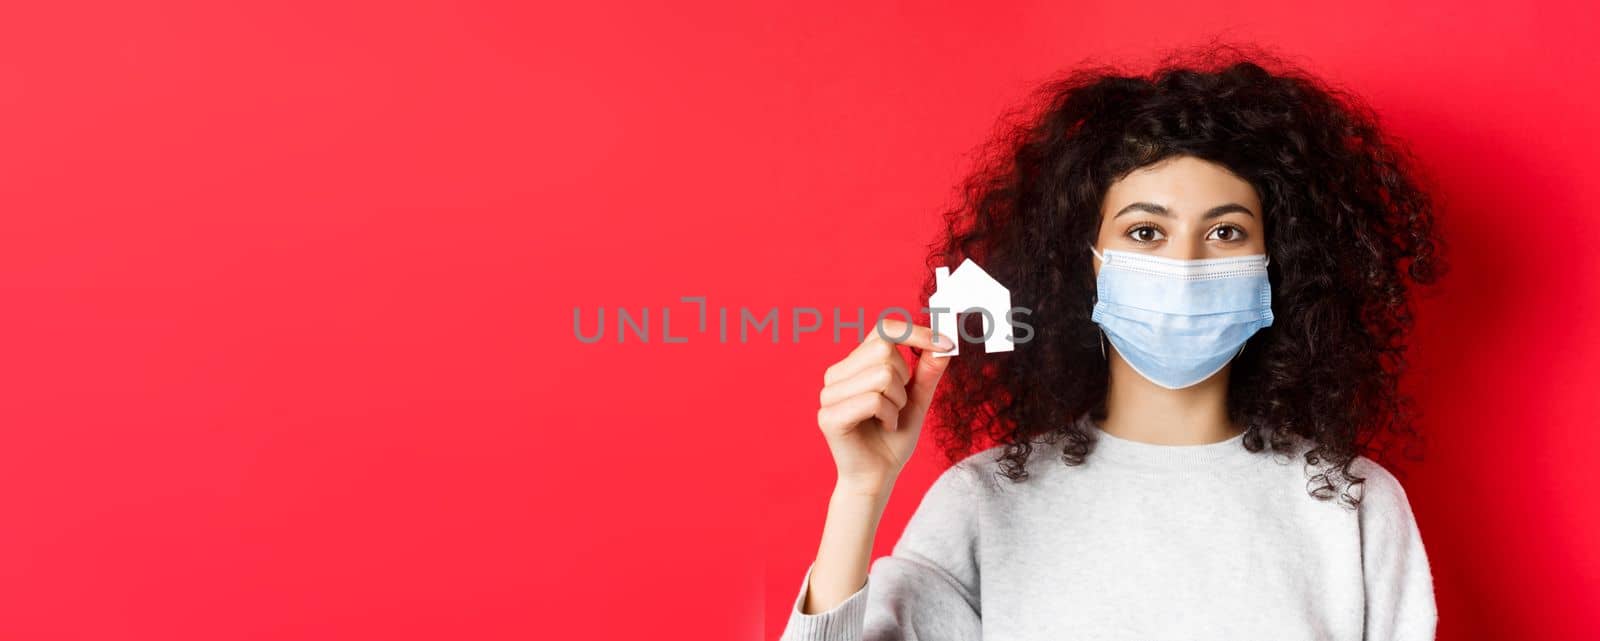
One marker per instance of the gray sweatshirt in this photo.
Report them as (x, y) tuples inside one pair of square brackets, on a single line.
[(1147, 542)]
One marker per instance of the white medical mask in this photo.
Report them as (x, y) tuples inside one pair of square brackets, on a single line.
[(1177, 322)]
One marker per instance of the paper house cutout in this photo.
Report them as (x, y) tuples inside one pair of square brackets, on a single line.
[(967, 288)]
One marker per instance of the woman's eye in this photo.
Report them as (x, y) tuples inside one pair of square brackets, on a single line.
[(1231, 232), (1144, 234)]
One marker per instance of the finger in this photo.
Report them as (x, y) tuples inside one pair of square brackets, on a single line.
[(884, 379), (845, 415), (887, 413), (920, 336), (924, 380), (866, 355)]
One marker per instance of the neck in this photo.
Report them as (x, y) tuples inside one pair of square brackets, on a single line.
[(1139, 410)]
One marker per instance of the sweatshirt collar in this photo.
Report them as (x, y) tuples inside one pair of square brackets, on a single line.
[(1142, 453)]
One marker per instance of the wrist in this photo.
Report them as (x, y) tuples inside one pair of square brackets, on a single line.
[(877, 488)]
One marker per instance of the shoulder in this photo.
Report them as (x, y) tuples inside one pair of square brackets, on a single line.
[(1383, 496), (1372, 482), (979, 472), (964, 485), (943, 529), (988, 472), (966, 475)]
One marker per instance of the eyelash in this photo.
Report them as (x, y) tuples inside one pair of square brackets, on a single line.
[(1237, 231)]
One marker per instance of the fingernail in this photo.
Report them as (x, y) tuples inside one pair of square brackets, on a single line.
[(942, 343)]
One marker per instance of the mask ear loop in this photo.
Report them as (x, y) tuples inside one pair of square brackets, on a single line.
[(1096, 299)]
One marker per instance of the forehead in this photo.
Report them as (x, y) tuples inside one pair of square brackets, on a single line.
[(1184, 184)]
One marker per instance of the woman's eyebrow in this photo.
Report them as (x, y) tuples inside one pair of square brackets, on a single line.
[(1163, 211)]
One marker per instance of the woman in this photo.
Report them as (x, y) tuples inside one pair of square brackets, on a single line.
[(1217, 260)]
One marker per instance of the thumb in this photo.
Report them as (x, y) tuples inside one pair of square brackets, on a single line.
[(919, 394)]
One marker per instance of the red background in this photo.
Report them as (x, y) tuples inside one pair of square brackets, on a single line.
[(287, 336)]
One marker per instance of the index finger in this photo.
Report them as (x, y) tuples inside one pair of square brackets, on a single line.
[(921, 336)]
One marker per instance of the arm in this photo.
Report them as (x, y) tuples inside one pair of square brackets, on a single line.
[(925, 590), (1399, 580)]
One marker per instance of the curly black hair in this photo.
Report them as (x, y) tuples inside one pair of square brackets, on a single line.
[(1349, 224)]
